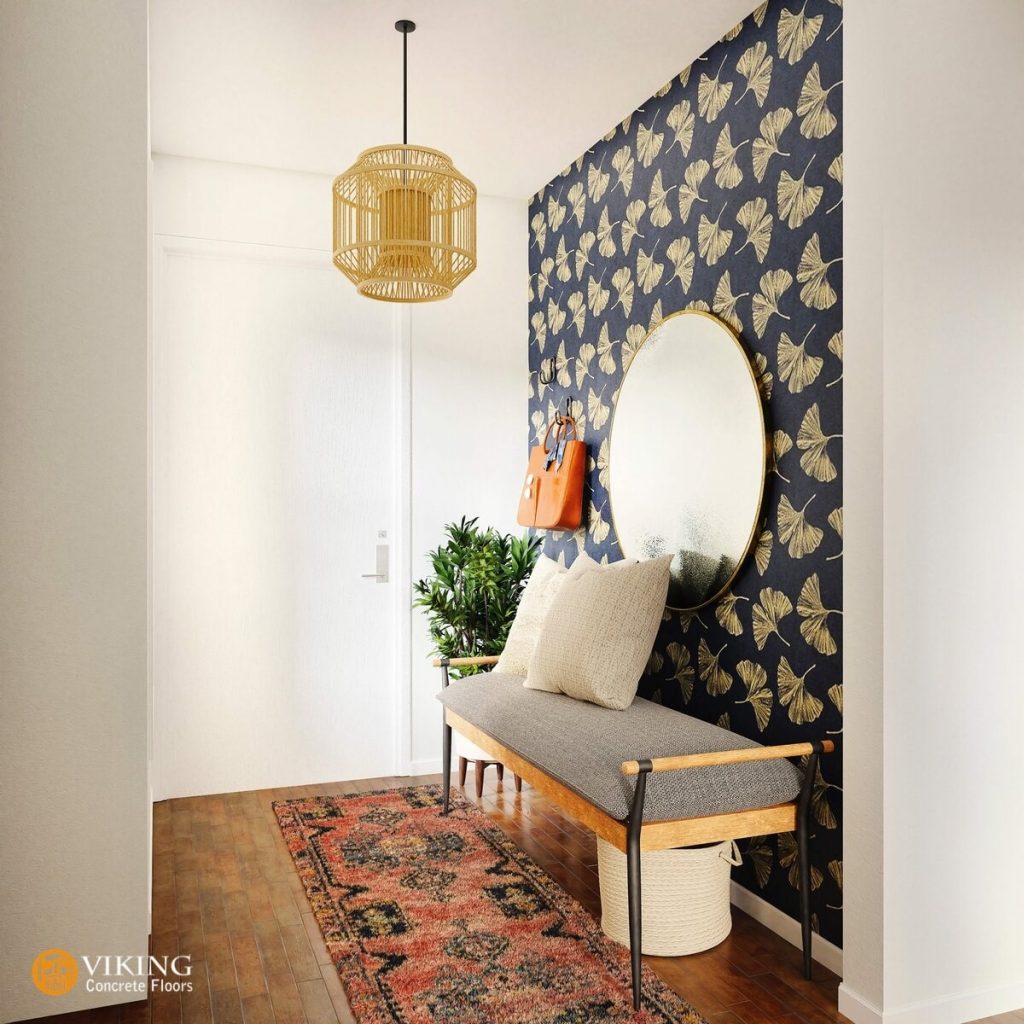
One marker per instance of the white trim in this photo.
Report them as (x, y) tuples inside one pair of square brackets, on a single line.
[(827, 954), (952, 1009), (401, 543), (857, 1008)]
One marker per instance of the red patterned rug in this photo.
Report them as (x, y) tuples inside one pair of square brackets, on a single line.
[(434, 919)]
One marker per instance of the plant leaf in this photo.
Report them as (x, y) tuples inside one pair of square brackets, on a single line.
[(771, 608), (803, 706), (802, 537), (814, 629), (765, 303), (796, 366), (796, 33), (727, 171), (759, 696), (716, 679), (766, 145), (689, 191), (813, 442), (755, 219)]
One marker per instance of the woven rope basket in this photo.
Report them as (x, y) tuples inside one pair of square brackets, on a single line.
[(685, 901)]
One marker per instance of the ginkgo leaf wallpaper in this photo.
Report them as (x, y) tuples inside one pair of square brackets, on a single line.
[(723, 192)]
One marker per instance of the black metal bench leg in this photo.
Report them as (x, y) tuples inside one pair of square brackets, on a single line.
[(804, 844), (446, 746), (633, 883)]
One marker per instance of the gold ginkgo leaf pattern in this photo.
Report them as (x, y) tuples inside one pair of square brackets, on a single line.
[(789, 858), (835, 694), (712, 95), (630, 226), (818, 121), (578, 308), (759, 695), (597, 182), (597, 410), (797, 200), (727, 615), (821, 809), (797, 367), (597, 297), (682, 669), (648, 270), (802, 536), (712, 239), (796, 33), (683, 259), (586, 244), (814, 628), (759, 12), (759, 854), (835, 172), (724, 303), (802, 706), (755, 219), (765, 303), (781, 444), (681, 120), (727, 170), (813, 442), (622, 282), (771, 608), (689, 191), (712, 674), (540, 329), (624, 165), (606, 350), (577, 197), (556, 212), (605, 239), (648, 143), (763, 551), (657, 202), (563, 262), (723, 721), (766, 145), (539, 227), (835, 869), (755, 65), (813, 274), (679, 263), (835, 346)]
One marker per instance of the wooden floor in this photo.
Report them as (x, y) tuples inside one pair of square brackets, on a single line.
[(225, 892)]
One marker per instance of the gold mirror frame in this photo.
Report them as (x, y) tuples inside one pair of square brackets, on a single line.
[(758, 511)]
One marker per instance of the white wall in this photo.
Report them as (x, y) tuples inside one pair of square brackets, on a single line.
[(467, 357), (935, 324), (74, 843), (469, 381)]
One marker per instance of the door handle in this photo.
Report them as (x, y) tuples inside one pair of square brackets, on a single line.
[(381, 575)]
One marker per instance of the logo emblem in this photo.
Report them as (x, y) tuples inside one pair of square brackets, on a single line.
[(54, 972)]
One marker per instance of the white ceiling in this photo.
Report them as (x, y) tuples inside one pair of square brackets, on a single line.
[(513, 90)]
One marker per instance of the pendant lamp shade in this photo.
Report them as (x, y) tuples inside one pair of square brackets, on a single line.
[(404, 220)]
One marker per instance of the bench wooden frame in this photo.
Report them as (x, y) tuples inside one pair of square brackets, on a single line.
[(633, 835)]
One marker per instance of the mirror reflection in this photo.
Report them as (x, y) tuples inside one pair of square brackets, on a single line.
[(687, 455)]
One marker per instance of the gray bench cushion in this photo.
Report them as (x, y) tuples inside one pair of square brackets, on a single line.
[(582, 746)]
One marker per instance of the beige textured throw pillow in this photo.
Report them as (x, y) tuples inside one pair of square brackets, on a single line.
[(599, 632), (539, 592)]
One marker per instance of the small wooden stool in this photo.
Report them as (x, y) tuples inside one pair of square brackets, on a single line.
[(481, 767)]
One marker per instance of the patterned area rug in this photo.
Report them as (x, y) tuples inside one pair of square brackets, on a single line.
[(433, 919)]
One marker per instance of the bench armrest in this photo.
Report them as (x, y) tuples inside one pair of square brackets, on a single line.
[(488, 659), (741, 756)]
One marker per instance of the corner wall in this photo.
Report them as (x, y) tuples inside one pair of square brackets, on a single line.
[(936, 318), (74, 250), (723, 192)]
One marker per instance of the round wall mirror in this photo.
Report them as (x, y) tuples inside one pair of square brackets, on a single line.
[(687, 455)]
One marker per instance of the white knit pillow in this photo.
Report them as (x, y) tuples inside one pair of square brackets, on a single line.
[(599, 632), (539, 592)]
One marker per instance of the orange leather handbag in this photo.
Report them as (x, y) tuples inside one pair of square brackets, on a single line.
[(552, 494)]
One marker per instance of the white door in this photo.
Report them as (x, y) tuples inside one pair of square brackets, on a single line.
[(273, 478)]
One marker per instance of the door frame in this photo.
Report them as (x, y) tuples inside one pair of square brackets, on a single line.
[(166, 247)]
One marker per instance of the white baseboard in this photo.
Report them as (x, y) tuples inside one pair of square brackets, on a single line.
[(857, 1008), (823, 951), (953, 1009)]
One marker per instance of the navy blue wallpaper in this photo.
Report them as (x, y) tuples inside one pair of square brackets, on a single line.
[(723, 192)]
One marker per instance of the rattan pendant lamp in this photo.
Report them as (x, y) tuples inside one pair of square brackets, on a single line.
[(404, 217)]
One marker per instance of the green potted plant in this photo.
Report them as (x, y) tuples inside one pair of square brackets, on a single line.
[(472, 595)]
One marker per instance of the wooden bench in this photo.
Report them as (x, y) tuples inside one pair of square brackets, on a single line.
[(632, 833)]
